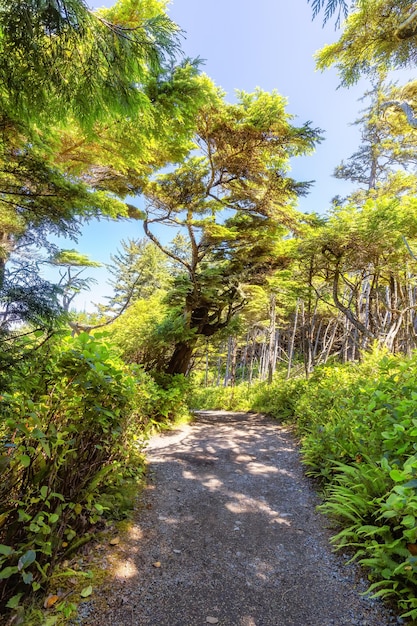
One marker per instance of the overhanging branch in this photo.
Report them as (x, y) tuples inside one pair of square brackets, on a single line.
[(408, 110)]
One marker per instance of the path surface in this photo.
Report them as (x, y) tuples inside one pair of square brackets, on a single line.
[(229, 532)]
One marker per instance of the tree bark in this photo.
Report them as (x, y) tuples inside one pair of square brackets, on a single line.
[(181, 358), (272, 338), (292, 342)]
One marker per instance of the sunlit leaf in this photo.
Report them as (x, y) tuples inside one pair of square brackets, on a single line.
[(87, 591)]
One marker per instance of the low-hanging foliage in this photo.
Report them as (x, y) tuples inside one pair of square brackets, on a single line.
[(73, 423)]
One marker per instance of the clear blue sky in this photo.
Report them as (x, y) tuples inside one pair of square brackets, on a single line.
[(245, 44)]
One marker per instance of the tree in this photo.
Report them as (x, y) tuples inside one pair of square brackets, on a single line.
[(377, 35), (60, 60), (90, 103), (358, 259), (72, 265), (385, 163), (138, 270), (341, 6), (233, 200)]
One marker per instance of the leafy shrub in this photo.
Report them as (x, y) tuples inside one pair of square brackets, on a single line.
[(238, 398), (61, 430), (358, 427), (160, 399), (280, 398), (73, 422)]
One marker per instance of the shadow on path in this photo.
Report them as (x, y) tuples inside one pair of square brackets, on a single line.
[(228, 531)]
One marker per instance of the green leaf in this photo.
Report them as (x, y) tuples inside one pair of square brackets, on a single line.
[(26, 559), (46, 448), (87, 591), (23, 516), (411, 483), (25, 460), (7, 572), (6, 550), (13, 603), (38, 433), (409, 521), (58, 495), (27, 577), (396, 475), (44, 491)]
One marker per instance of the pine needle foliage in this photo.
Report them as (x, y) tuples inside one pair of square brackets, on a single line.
[(378, 35), (59, 57), (330, 8)]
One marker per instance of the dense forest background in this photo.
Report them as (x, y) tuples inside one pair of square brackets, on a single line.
[(248, 303)]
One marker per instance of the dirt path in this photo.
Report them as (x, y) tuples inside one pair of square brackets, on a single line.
[(229, 535)]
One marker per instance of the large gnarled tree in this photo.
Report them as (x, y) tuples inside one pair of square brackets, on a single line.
[(233, 199)]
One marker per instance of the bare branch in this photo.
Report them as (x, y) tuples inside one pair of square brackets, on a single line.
[(166, 251), (400, 30)]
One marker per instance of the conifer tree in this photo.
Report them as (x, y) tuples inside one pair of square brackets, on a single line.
[(234, 201)]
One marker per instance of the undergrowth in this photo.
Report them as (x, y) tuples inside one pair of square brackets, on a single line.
[(358, 429), (74, 419)]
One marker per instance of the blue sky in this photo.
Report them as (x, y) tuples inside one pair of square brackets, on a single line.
[(245, 44)]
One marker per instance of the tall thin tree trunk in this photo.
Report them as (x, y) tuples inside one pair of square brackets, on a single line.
[(316, 343), (292, 342), (219, 367), (245, 356), (228, 358), (252, 358), (206, 371), (271, 351), (233, 357)]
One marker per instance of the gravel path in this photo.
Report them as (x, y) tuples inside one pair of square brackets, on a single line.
[(228, 534)]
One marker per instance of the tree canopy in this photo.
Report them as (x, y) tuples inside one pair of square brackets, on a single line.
[(377, 35), (232, 198), (90, 104), (61, 59)]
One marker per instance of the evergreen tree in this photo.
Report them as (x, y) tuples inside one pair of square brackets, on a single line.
[(90, 103), (139, 270), (233, 201), (385, 163), (60, 60), (377, 35)]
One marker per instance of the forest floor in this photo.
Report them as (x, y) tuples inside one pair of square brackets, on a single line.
[(228, 533)]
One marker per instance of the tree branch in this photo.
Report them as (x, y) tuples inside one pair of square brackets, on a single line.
[(400, 34), (402, 104), (166, 251), (345, 310)]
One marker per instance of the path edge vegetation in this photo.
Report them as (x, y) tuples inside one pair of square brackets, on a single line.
[(357, 427), (79, 424)]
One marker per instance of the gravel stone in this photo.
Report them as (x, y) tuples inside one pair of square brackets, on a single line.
[(231, 518)]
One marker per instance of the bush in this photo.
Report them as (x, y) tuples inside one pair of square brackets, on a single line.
[(63, 430), (280, 398), (74, 419), (358, 429), (238, 398)]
